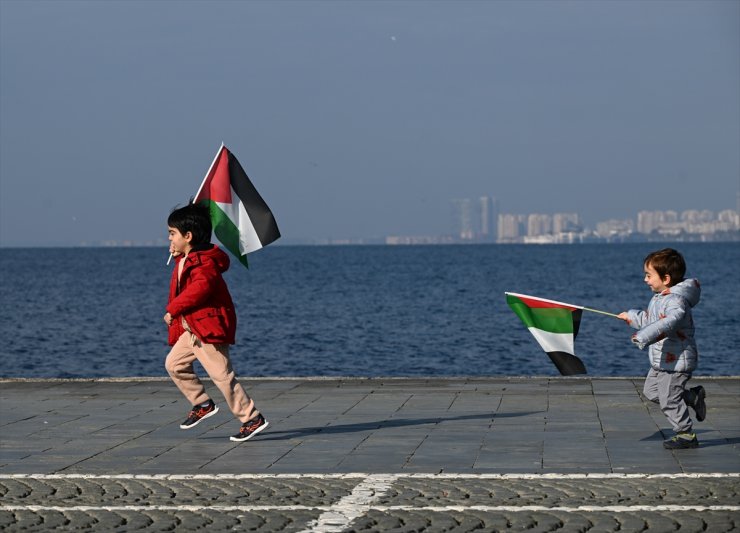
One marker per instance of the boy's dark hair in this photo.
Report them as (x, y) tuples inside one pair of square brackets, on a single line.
[(193, 218), (667, 261)]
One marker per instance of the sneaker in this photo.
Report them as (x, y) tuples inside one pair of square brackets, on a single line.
[(199, 413), (699, 406), (681, 441), (250, 429)]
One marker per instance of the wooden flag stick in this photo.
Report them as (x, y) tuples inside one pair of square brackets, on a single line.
[(600, 312)]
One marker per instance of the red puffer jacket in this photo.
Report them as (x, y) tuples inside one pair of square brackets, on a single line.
[(203, 299)]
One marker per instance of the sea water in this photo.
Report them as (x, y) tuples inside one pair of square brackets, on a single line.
[(354, 310)]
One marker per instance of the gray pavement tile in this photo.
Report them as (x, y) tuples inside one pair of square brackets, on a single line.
[(523, 432), (583, 462), (520, 465), (500, 455), (447, 454), (654, 461), (374, 460), (614, 386)]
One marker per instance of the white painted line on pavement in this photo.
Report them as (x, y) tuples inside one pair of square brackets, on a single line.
[(171, 508), (576, 509), (341, 515), (356, 509), (215, 477)]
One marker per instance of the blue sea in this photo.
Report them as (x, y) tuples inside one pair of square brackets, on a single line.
[(354, 310)]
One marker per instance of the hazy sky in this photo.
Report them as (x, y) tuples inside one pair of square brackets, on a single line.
[(359, 119)]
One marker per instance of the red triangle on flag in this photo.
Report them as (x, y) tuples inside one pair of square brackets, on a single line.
[(217, 185)]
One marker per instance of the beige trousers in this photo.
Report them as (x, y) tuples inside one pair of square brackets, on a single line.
[(215, 361)]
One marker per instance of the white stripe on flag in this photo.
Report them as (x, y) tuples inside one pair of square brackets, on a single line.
[(248, 239), (554, 342)]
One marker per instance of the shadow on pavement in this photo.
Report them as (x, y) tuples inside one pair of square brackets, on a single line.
[(718, 442), (659, 436), (380, 424)]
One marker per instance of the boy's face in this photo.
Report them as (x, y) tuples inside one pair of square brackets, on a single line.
[(179, 243), (654, 281)]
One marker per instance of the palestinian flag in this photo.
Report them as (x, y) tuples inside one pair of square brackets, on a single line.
[(554, 325), (241, 219)]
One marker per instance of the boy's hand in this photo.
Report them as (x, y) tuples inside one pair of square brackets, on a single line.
[(168, 319), (624, 316)]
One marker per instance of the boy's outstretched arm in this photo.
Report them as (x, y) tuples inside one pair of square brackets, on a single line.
[(667, 324), (634, 317)]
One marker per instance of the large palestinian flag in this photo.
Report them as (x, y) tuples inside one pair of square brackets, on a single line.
[(554, 325), (241, 219)]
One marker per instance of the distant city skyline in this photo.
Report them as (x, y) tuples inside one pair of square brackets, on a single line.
[(467, 224), (476, 220)]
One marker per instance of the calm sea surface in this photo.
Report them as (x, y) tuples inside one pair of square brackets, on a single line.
[(353, 311)]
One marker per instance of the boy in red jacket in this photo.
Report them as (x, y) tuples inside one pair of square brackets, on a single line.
[(202, 322)]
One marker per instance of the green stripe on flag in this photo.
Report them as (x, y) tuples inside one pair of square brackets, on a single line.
[(225, 230), (552, 319)]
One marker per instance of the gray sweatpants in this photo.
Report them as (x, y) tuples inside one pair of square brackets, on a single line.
[(668, 389)]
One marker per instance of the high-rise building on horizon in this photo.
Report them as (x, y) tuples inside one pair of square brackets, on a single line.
[(462, 219), (566, 223), (488, 219), (474, 219), (539, 224), (648, 221), (511, 227)]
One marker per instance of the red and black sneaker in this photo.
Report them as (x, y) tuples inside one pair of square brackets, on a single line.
[(198, 413), (250, 429)]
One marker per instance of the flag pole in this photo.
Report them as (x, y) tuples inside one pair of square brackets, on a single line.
[(563, 303), (169, 260), (600, 312)]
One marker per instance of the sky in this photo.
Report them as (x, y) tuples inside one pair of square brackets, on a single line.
[(362, 119)]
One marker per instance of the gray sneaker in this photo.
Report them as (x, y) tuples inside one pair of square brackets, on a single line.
[(681, 441)]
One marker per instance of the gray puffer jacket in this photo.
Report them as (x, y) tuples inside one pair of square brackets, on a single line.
[(667, 327)]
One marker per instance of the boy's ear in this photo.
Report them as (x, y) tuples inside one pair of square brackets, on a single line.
[(667, 280), (188, 236)]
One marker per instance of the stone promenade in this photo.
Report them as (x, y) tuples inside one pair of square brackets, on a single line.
[(382, 454)]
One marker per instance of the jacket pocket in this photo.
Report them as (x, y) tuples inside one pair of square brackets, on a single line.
[(209, 324)]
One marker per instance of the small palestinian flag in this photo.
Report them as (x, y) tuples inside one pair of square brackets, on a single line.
[(554, 325), (241, 219)]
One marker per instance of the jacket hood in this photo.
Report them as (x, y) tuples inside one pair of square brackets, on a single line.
[(688, 289), (215, 254)]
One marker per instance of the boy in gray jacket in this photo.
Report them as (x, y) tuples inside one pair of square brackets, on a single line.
[(667, 328)]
